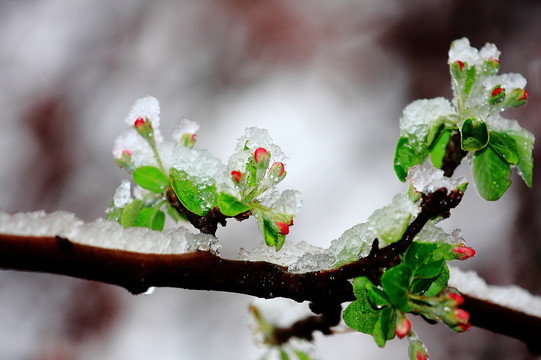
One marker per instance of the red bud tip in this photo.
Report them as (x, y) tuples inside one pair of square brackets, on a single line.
[(283, 228), (497, 91), (259, 154), (402, 328), (236, 175), (192, 137), (464, 327), (460, 64), (281, 165), (462, 316), (524, 95), (291, 222), (139, 122), (126, 152), (421, 355), (463, 252), (457, 298)]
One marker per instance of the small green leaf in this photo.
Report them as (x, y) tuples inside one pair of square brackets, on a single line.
[(152, 218), (491, 174), (474, 134), (150, 178), (437, 152), (378, 298), (197, 197), (409, 151), (384, 327), (360, 315), (505, 146), (129, 214), (524, 141), (439, 283), (113, 212), (230, 205), (301, 355), (396, 282)]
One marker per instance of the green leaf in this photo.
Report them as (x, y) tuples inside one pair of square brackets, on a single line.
[(152, 218), (129, 214), (150, 178), (439, 283), (491, 174), (230, 205), (378, 298), (113, 213), (283, 355), (409, 151), (396, 283), (424, 259), (524, 141), (360, 315), (384, 327), (301, 355), (437, 152), (505, 145), (474, 134), (197, 197)]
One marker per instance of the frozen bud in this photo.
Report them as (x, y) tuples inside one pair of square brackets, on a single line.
[(462, 252), (497, 95), (283, 228), (417, 350), (516, 97), (402, 327), (523, 96), (185, 132), (459, 320), (460, 64), (139, 123), (261, 155), (278, 167), (236, 175)]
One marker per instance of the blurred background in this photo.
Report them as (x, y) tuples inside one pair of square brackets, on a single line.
[(328, 79)]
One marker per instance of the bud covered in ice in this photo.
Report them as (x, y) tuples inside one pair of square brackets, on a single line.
[(185, 133), (402, 327), (283, 228), (417, 350), (236, 176), (261, 157)]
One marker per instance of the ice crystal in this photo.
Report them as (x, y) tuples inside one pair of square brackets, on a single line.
[(122, 194), (427, 180), (418, 115)]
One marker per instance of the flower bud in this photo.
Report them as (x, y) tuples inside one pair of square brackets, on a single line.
[(417, 350), (278, 167), (460, 64), (283, 228), (456, 298), (139, 122), (261, 154), (236, 175), (462, 252), (497, 95), (402, 327)]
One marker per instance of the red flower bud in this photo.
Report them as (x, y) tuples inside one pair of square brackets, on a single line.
[(464, 327), (283, 228), (402, 327), (460, 64), (497, 91), (139, 122), (260, 154), (457, 298), (463, 252), (237, 175), (524, 95), (462, 316)]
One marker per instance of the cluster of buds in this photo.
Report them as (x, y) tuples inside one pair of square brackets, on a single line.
[(444, 307), (260, 177)]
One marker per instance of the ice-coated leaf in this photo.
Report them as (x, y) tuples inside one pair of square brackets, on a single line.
[(152, 218), (396, 283), (301, 355), (378, 298), (470, 79), (408, 152), (283, 355), (524, 140), (150, 178), (491, 174), (437, 152), (198, 198), (129, 214), (391, 221), (230, 205), (474, 134), (505, 145)]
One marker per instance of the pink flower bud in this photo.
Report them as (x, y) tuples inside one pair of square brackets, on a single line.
[(524, 95), (283, 228), (260, 154), (457, 298), (460, 64), (402, 327), (139, 122), (463, 252), (462, 316), (126, 152), (278, 165), (236, 175)]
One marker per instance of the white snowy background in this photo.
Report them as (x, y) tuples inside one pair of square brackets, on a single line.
[(328, 79)]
